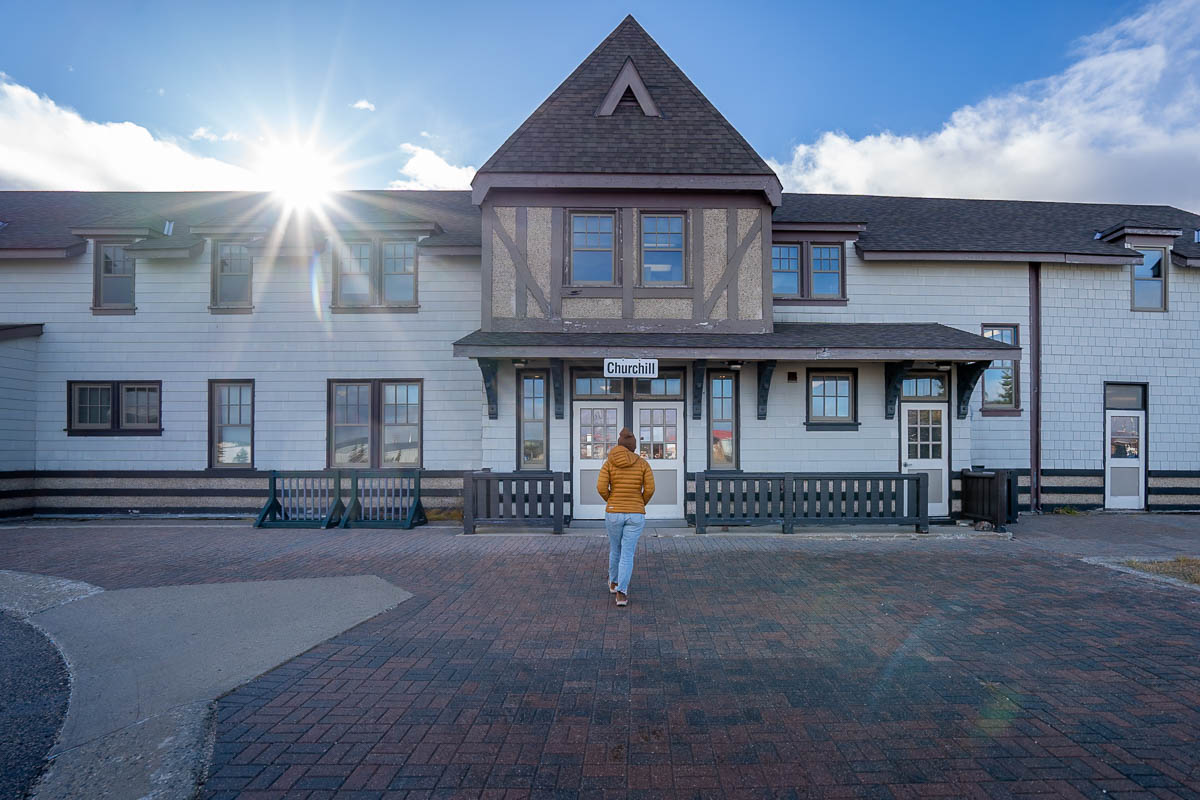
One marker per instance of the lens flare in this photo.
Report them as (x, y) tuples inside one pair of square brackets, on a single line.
[(299, 174)]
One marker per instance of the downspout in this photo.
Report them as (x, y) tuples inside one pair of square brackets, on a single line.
[(1035, 388)]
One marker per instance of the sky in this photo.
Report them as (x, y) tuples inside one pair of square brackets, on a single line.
[(1088, 101)]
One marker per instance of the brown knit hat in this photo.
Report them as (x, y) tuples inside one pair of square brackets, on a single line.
[(626, 440)]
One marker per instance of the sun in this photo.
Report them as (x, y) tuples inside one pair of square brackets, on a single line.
[(298, 173)]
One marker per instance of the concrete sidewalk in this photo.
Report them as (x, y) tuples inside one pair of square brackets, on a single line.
[(148, 663)]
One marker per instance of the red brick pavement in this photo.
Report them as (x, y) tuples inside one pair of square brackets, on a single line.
[(744, 667)]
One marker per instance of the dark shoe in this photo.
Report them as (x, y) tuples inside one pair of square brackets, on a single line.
[(622, 599), (612, 588)]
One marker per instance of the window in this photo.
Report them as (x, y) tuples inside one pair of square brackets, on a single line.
[(662, 249), (1000, 390), (666, 385), (1149, 280), (832, 400), (114, 408), (1130, 396), (924, 387), (592, 249), (375, 275), (722, 420), (374, 423), (532, 423), (232, 267), (231, 424), (595, 387), (826, 261), (114, 278), (658, 433), (399, 273), (808, 271), (785, 270)]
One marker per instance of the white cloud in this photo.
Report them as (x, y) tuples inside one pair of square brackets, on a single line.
[(1121, 124), (203, 133), (46, 146), (427, 170), (363, 105), (426, 134), (161, 92)]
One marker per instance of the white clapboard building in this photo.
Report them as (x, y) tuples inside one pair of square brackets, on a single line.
[(162, 352)]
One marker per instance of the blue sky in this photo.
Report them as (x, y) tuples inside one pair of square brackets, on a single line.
[(814, 87)]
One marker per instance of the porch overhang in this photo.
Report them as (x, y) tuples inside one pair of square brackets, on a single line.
[(804, 341)]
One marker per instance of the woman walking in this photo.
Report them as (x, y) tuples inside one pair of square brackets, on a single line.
[(626, 484)]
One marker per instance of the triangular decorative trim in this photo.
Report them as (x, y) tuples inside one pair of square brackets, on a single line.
[(628, 79)]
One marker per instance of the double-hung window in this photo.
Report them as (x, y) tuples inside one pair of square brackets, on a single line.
[(808, 271), (375, 274), (114, 408), (532, 423), (114, 279), (592, 261), (374, 423), (722, 420), (1150, 280), (662, 249), (232, 276), (832, 400), (231, 423), (1001, 391)]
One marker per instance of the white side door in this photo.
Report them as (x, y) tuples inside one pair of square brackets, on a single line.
[(594, 429), (923, 448), (1124, 459), (659, 425)]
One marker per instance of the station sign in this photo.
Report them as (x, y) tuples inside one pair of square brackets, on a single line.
[(631, 367)]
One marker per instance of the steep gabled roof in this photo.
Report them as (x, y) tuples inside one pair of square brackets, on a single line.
[(566, 135)]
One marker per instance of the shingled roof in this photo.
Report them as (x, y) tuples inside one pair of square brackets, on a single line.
[(565, 134), (932, 224)]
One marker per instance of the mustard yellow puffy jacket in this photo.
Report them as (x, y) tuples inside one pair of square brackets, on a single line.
[(626, 482)]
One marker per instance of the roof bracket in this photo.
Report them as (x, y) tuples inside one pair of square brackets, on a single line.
[(969, 374), (893, 382), (628, 79), (699, 367), (765, 370), (488, 367), (556, 386)]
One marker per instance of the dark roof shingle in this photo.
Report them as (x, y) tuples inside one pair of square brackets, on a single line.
[(564, 135)]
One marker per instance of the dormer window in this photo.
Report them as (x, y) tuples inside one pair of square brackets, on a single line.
[(1149, 280), (232, 277), (376, 275), (113, 284), (808, 271)]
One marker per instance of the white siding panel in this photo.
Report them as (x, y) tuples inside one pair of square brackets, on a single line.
[(18, 403), (290, 345)]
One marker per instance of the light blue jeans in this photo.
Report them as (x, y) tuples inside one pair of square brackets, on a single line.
[(623, 532)]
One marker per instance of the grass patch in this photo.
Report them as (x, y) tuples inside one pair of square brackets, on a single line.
[(1184, 568), (1070, 511)]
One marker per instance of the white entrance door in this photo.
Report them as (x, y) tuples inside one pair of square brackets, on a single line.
[(923, 449), (595, 427), (1125, 459), (659, 425)]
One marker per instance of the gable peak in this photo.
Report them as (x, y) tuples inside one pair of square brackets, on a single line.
[(628, 80)]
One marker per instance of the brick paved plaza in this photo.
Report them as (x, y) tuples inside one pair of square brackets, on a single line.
[(745, 666)]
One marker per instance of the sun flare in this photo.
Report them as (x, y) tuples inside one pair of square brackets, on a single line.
[(302, 176)]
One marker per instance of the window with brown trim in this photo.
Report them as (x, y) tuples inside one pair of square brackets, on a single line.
[(231, 424), (114, 408), (1001, 390), (808, 271), (662, 249), (1149, 278), (667, 386), (113, 283), (374, 423), (592, 385), (232, 276), (593, 249), (375, 274), (722, 420), (832, 399), (533, 426)]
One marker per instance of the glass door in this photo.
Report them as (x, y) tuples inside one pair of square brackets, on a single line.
[(659, 429), (1124, 459), (923, 448), (595, 426)]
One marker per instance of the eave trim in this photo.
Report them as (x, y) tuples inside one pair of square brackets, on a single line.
[(27, 331), (740, 353), (971, 255), (769, 185), (44, 252)]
